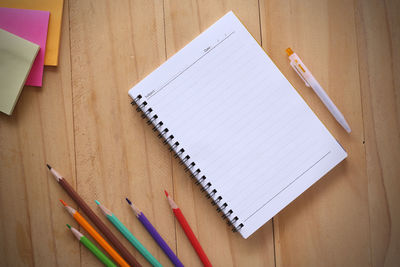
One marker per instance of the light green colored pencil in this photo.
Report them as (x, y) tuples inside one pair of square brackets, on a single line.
[(128, 235), (97, 252)]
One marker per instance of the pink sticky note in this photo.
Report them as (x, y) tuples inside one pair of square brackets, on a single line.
[(31, 25)]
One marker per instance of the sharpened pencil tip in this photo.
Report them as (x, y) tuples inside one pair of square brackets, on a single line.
[(129, 202), (69, 226), (166, 193), (97, 202), (62, 201), (48, 166)]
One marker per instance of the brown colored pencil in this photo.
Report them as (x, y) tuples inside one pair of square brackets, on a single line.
[(93, 217)]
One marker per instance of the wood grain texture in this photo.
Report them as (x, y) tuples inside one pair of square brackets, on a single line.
[(329, 223), (378, 31), (81, 123), (117, 154), (39, 131)]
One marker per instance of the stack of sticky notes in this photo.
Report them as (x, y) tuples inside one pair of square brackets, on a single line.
[(16, 59), (30, 37)]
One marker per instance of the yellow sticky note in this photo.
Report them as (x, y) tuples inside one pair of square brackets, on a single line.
[(53, 36)]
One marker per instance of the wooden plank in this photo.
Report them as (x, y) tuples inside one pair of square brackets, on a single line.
[(16, 242), (113, 46), (183, 22), (40, 130), (329, 224), (378, 31)]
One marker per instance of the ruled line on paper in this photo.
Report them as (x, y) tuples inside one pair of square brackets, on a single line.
[(283, 189), (208, 50), (240, 121)]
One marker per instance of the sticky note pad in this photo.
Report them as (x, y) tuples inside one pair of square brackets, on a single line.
[(16, 59), (32, 26), (55, 7)]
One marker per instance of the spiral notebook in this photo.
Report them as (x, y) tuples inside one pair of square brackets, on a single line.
[(240, 128)]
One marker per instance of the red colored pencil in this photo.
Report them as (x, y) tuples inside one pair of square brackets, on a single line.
[(188, 231)]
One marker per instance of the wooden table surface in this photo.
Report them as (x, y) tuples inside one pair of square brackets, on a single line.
[(81, 122)]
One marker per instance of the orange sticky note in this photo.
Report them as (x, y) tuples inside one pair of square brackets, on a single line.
[(53, 36)]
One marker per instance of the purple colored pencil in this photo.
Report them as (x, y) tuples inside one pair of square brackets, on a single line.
[(156, 236)]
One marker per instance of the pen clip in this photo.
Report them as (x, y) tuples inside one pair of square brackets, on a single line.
[(294, 66)]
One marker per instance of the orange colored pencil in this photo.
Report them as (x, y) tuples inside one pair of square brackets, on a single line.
[(99, 239)]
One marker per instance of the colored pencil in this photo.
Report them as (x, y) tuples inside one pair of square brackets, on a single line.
[(99, 239), (92, 247), (128, 235), (93, 217), (156, 236), (188, 231)]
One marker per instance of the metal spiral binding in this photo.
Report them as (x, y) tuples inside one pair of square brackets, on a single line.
[(201, 180)]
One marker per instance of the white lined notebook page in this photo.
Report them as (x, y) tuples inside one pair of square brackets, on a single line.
[(241, 122)]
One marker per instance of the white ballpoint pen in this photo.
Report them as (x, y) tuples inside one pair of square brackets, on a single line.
[(310, 81)]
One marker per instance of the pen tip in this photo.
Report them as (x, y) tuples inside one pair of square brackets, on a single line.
[(69, 226), (289, 51), (129, 202), (97, 202), (166, 193), (62, 201), (48, 166)]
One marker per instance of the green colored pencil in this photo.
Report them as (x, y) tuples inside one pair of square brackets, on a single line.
[(97, 252), (128, 235)]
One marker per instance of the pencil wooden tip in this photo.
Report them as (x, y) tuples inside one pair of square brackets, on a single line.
[(62, 201), (69, 226), (171, 201), (48, 166), (129, 202)]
